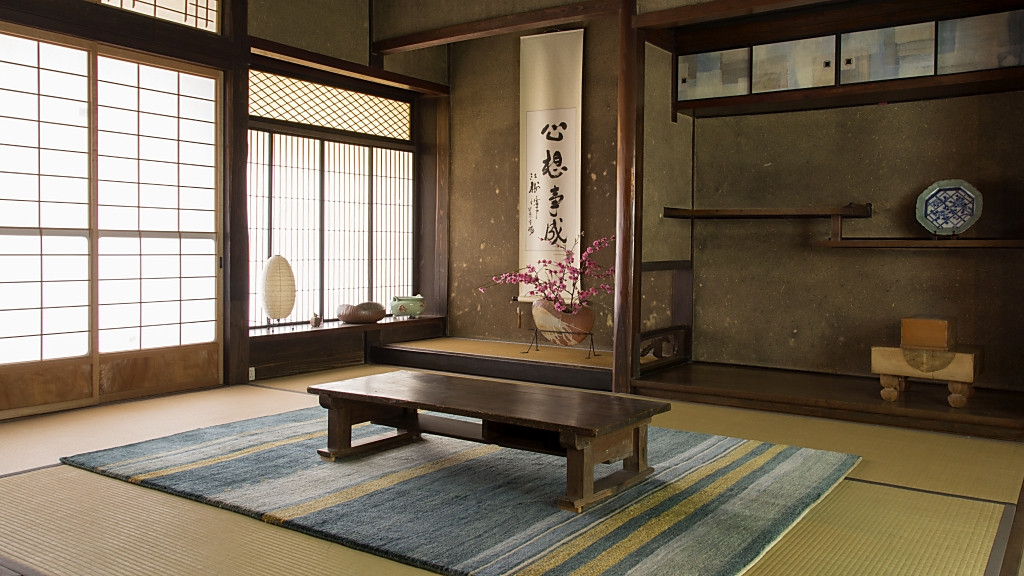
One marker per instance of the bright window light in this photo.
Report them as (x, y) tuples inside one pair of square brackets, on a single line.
[(154, 169), (201, 14)]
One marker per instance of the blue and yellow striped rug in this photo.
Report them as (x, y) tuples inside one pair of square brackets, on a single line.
[(714, 504)]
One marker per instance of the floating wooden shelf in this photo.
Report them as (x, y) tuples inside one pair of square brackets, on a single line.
[(836, 239), (849, 211), (922, 243)]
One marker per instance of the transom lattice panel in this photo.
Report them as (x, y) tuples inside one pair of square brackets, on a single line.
[(201, 14), (291, 100)]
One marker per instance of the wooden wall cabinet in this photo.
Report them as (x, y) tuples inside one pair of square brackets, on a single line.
[(906, 32)]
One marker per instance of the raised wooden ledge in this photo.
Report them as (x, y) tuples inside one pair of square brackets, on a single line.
[(543, 18), (524, 369), (995, 413), (286, 350)]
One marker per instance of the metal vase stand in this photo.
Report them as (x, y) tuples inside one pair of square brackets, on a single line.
[(535, 343)]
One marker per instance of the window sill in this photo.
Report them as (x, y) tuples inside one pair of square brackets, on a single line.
[(333, 326)]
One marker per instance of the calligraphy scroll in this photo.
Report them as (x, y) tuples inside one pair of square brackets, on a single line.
[(550, 104)]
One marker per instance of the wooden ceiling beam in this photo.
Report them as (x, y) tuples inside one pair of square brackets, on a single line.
[(719, 10), (555, 16), (836, 18), (265, 48)]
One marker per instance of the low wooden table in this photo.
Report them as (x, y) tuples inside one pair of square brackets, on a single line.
[(583, 426)]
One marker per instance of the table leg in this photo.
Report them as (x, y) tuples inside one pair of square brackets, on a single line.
[(582, 453), (339, 427), (342, 414)]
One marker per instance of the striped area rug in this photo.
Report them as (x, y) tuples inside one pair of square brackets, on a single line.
[(713, 506)]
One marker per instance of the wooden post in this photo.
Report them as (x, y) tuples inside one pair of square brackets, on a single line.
[(235, 250), (629, 210)]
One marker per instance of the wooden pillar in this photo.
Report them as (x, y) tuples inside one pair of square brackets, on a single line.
[(629, 208), (235, 251)]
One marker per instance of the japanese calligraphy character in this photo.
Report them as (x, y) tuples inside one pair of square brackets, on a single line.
[(553, 131), (553, 165), (553, 234), (556, 200)]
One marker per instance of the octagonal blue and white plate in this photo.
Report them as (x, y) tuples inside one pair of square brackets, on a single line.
[(949, 207)]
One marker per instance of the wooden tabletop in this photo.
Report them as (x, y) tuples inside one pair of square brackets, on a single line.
[(545, 407)]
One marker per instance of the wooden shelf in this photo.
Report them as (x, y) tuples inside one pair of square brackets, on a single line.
[(849, 211), (715, 26), (922, 243), (836, 239)]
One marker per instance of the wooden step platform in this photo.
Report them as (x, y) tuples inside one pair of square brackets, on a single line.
[(501, 360), (989, 413)]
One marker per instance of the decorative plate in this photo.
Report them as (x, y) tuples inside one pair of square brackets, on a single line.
[(949, 207)]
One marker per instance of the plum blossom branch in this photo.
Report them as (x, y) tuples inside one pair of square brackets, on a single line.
[(560, 281)]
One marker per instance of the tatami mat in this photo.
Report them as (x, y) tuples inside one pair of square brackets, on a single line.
[(42, 440), (63, 520), (919, 502), (960, 465), (879, 530), (557, 354), (300, 382)]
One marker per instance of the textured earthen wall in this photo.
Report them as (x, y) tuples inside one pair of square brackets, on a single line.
[(336, 28), (765, 296), (484, 195)]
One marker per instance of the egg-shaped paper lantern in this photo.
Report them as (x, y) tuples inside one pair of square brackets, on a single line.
[(278, 288)]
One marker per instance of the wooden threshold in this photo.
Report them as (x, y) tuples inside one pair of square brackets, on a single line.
[(990, 413)]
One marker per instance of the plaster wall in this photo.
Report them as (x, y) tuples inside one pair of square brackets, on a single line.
[(429, 64), (394, 18), (667, 181), (646, 6), (484, 190), (764, 296), (336, 28)]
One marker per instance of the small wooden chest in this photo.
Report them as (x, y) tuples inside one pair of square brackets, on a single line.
[(928, 332)]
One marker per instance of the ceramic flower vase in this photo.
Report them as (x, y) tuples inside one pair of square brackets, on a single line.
[(562, 328)]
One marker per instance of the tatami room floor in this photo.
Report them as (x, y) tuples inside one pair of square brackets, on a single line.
[(918, 503)]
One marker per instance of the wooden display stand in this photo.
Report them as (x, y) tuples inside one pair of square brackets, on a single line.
[(927, 351)]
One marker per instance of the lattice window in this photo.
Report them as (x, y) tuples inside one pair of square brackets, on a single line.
[(143, 274), (291, 100), (201, 14), (157, 206), (355, 201)]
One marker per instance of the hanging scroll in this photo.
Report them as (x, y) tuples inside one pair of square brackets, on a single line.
[(550, 104)]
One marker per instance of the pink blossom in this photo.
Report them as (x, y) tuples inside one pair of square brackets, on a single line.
[(560, 281)]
